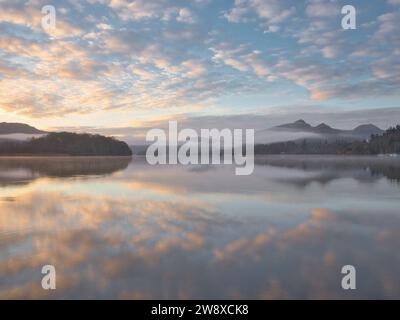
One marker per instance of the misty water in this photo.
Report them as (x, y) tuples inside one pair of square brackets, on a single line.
[(119, 228)]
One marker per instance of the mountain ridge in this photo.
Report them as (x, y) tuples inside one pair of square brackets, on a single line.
[(16, 127), (364, 130)]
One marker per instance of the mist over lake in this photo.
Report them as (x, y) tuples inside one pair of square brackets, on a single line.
[(116, 227)]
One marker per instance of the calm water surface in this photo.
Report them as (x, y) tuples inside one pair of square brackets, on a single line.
[(119, 228)]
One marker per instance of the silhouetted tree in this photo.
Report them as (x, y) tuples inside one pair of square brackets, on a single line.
[(66, 143)]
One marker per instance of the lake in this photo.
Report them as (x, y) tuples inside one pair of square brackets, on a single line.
[(122, 229)]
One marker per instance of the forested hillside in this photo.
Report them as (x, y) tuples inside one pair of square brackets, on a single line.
[(65, 143), (386, 143)]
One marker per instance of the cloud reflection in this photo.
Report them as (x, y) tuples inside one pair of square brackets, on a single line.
[(171, 232)]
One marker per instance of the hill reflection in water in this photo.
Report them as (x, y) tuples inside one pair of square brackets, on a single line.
[(22, 170)]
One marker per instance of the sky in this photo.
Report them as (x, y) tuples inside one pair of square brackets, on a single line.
[(115, 66)]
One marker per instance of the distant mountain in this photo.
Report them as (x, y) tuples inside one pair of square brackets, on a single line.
[(367, 129), (299, 125), (325, 129), (12, 128), (362, 132), (378, 144)]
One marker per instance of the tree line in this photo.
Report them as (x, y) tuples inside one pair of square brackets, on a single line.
[(386, 143), (66, 143)]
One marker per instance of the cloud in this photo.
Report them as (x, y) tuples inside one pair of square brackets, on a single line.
[(330, 51), (255, 61), (322, 9), (186, 16), (241, 60), (237, 14), (270, 12), (157, 55), (158, 9), (388, 25), (140, 9), (194, 69)]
